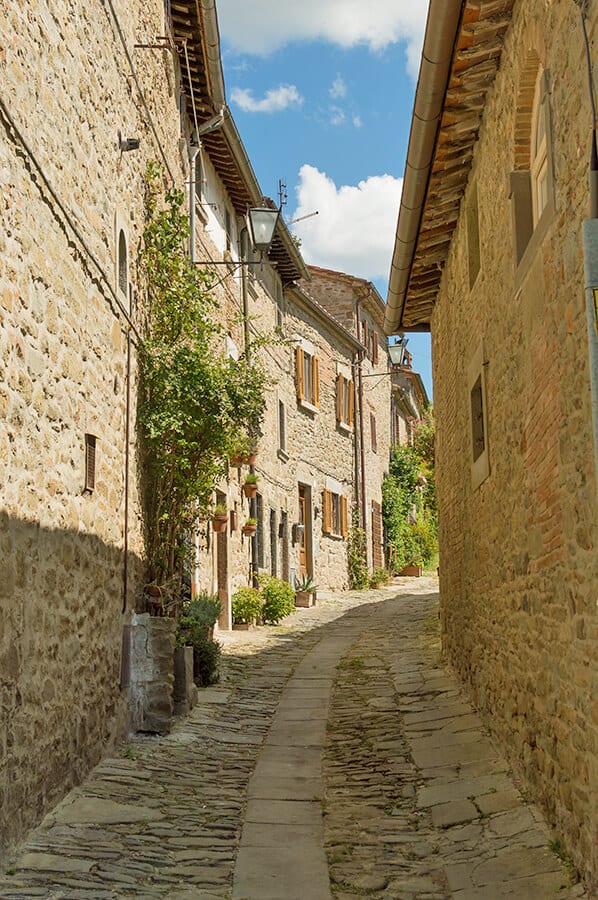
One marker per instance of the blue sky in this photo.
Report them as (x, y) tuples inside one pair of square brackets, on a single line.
[(322, 93)]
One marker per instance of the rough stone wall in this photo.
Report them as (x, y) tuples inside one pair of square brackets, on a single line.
[(518, 555), (66, 92)]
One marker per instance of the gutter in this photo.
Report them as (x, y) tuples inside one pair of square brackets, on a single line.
[(442, 28)]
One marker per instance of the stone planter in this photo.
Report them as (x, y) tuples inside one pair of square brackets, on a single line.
[(413, 571), (305, 598), (152, 672), (184, 693)]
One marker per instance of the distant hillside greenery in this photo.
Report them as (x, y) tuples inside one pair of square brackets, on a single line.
[(409, 500)]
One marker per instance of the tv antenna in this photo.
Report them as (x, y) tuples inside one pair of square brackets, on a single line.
[(282, 193), (301, 218)]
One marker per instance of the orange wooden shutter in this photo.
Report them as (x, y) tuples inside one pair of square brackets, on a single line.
[(344, 517), (327, 512), (299, 362), (339, 398), (350, 388), (316, 376)]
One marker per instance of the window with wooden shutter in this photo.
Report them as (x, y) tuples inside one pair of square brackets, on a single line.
[(90, 462), (344, 517), (300, 366), (340, 397), (316, 381), (327, 512)]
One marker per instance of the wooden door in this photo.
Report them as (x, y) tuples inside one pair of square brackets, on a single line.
[(302, 536)]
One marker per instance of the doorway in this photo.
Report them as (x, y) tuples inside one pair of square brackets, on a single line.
[(305, 532)]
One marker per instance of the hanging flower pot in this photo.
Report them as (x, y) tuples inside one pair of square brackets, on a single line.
[(250, 486), (220, 519), (249, 528), (251, 457)]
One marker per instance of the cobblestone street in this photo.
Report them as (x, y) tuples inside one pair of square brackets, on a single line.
[(337, 758)]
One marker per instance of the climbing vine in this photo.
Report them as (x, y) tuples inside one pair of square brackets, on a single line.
[(409, 500), (195, 404)]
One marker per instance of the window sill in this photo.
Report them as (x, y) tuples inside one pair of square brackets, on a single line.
[(305, 404), (342, 426), (333, 536), (282, 455)]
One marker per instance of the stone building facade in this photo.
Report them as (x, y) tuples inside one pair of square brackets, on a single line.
[(357, 305), (498, 274), (409, 400), (72, 213)]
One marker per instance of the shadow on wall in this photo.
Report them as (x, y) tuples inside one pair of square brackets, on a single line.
[(61, 627)]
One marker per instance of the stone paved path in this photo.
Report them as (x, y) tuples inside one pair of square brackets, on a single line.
[(336, 759)]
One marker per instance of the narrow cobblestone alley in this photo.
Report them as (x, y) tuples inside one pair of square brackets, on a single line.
[(337, 758)]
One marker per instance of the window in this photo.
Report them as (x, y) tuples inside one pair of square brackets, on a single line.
[(480, 459), (308, 378), (282, 428), (228, 227), (334, 514), (345, 401), (374, 343), (279, 305), (123, 264), (90, 463), (273, 543), (531, 184), (473, 235), (364, 335), (198, 176), (373, 437), (538, 156)]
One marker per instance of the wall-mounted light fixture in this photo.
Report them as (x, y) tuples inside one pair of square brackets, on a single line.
[(127, 144), (261, 225)]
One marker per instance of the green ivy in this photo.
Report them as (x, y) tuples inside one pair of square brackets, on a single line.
[(409, 501), (195, 404)]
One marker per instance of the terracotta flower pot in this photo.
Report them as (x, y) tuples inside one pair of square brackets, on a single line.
[(413, 571), (250, 490), (249, 530), (219, 523)]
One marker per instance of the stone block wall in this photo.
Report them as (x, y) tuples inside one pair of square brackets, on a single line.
[(63, 351), (518, 564)]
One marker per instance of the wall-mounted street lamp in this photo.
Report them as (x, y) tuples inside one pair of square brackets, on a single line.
[(261, 225), (396, 352)]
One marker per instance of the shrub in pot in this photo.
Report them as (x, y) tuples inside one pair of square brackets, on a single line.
[(247, 605), (305, 589), (279, 598)]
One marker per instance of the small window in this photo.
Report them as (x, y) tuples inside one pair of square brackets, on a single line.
[(308, 378), (90, 462), (279, 305), (228, 227), (373, 436), (334, 514), (198, 176), (344, 401), (473, 235), (480, 460), (364, 335), (282, 427), (123, 264), (375, 353)]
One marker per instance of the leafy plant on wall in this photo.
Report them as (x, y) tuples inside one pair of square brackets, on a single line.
[(409, 500), (195, 404)]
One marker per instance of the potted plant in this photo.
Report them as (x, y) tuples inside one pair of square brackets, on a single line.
[(305, 591), (219, 518), (195, 628), (250, 485), (247, 605), (250, 527)]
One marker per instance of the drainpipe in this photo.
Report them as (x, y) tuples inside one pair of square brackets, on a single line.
[(126, 485), (244, 246), (358, 302), (193, 153), (355, 439)]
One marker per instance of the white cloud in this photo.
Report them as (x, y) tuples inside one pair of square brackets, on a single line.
[(337, 116), (338, 89), (357, 121), (263, 26), (275, 100), (355, 226)]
